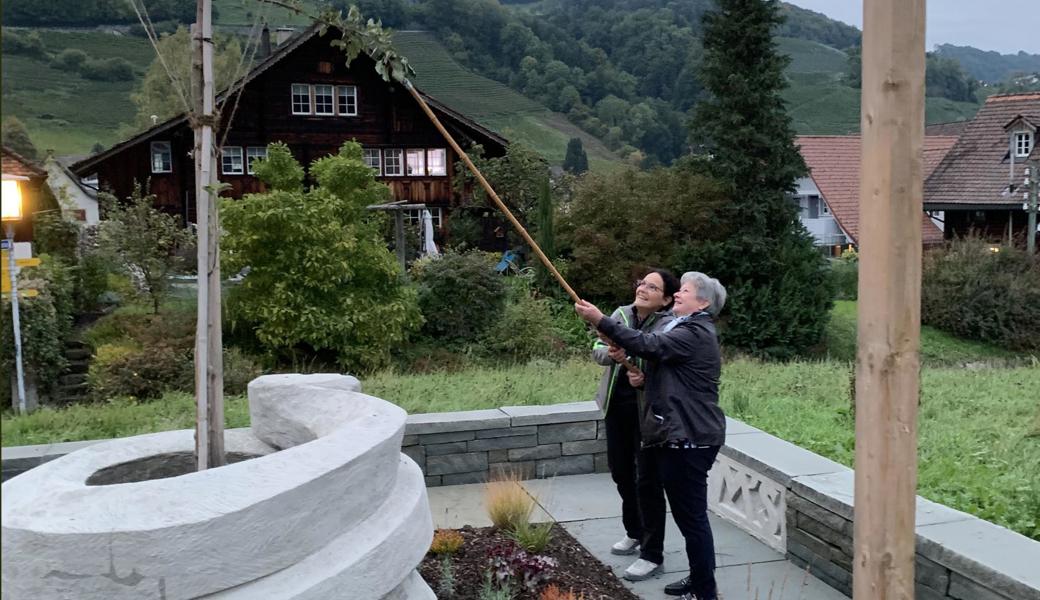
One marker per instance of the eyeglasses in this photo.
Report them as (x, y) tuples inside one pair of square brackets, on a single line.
[(649, 286)]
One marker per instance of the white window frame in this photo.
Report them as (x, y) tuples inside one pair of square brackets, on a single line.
[(165, 154), (377, 154), (229, 152), (413, 216), (419, 153), (254, 153), (344, 94), (824, 209), (306, 89), (331, 95), (443, 171), (397, 155), (1023, 142)]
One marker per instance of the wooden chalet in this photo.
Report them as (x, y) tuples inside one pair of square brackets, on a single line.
[(303, 95), (978, 186)]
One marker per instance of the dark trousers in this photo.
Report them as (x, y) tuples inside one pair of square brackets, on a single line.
[(684, 473), (642, 498)]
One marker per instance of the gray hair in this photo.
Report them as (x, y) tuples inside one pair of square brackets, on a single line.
[(708, 290)]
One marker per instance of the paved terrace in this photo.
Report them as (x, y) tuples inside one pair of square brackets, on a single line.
[(589, 508)]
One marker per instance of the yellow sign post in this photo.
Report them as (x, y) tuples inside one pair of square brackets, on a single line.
[(5, 280)]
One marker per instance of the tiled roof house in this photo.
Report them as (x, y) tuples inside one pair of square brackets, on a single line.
[(978, 184), (12, 163), (829, 196)]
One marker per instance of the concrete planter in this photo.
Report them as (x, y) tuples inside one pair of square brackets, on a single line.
[(329, 504)]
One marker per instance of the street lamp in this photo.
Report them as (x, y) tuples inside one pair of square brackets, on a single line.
[(11, 211)]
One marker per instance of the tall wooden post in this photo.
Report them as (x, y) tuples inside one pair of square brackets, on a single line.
[(209, 426), (887, 360)]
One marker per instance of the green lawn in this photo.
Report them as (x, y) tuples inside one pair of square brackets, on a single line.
[(937, 347), (979, 428)]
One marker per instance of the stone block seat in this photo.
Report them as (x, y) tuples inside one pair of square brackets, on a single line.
[(327, 507)]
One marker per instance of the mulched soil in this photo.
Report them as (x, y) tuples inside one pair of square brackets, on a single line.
[(577, 570)]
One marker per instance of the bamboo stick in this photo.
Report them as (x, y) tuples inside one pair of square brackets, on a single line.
[(498, 201)]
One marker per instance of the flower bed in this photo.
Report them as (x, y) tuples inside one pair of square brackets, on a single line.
[(489, 560)]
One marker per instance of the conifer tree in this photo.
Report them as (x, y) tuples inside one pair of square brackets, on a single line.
[(779, 289), (576, 161)]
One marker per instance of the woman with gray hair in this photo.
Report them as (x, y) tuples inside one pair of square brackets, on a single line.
[(682, 395)]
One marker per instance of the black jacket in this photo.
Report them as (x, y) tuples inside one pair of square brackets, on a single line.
[(682, 387)]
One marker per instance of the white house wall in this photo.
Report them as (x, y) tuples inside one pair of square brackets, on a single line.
[(70, 195), (824, 228)]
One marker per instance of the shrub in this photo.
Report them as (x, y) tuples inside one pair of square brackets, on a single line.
[(466, 230), (845, 276), (616, 225), (525, 330), (979, 292), (46, 321), (321, 281), (239, 370), (69, 59), (446, 541), (145, 241), (508, 504), (55, 236), (533, 537), (143, 373), (460, 295), (28, 44), (108, 69)]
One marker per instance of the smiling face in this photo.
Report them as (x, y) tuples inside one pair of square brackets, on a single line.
[(650, 294), (686, 300)]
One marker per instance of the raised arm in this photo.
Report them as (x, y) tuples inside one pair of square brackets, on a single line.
[(599, 347), (676, 344)]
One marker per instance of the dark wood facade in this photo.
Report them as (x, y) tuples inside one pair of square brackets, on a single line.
[(387, 120)]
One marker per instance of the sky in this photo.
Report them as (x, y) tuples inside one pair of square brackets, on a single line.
[(984, 24)]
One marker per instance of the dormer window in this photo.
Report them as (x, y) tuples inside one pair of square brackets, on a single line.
[(1023, 143)]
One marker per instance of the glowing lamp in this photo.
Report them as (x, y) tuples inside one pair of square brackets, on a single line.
[(11, 197)]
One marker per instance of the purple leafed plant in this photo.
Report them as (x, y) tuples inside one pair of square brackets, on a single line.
[(509, 562)]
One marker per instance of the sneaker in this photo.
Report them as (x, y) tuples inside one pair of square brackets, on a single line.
[(679, 588), (640, 570), (625, 547)]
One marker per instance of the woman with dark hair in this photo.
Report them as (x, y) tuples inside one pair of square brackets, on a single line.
[(682, 395), (642, 498)]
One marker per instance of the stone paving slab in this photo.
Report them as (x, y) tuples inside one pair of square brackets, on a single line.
[(577, 497), (732, 545), (453, 506), (589, 508)]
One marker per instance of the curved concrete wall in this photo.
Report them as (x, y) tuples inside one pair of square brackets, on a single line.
[(330, 504)]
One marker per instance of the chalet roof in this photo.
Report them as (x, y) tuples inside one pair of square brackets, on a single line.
[(12, 163), (977, 170), (83, 167), (954, 128), (834, 164)]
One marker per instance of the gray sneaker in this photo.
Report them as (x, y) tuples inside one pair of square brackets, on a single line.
[(641, 570), (625, 547)]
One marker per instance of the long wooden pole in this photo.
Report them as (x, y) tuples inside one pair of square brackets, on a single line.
[(498, 202), (491, 192), (887, 360)]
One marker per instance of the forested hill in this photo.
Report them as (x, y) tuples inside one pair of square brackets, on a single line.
[(991, 67), (623, 71), (626, 71)]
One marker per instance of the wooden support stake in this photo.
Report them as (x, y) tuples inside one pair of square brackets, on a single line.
[(887, 360), (209, 424)]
